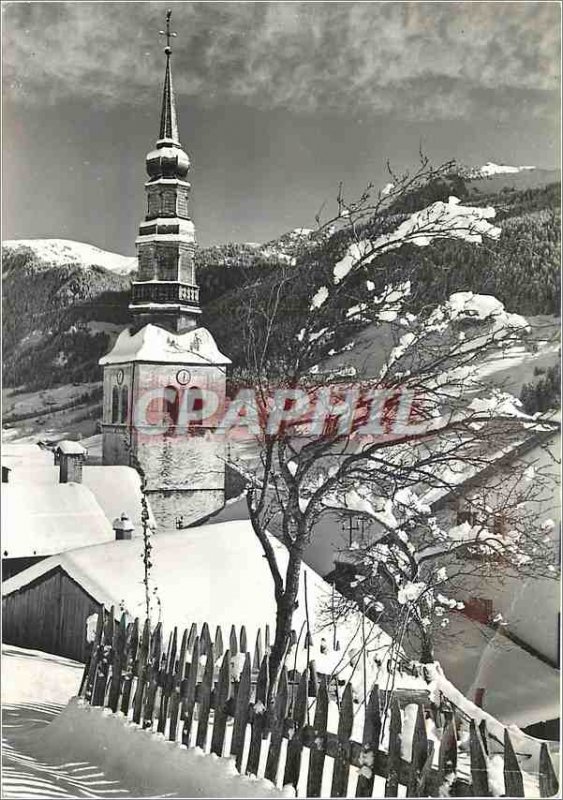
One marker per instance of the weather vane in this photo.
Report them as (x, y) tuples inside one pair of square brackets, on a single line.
[(168, 33)]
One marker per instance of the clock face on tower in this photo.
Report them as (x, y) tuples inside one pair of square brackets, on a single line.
[(183, 376)]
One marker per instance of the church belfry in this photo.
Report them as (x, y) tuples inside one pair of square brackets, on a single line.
[(166, 292), (165, 376)]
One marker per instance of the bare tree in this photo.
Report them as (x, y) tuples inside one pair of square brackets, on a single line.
[(340, 437)]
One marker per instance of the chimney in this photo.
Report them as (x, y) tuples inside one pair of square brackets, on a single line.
[(70, 456), (123, 527)]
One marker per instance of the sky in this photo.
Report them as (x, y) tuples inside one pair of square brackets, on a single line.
[(277, 104)]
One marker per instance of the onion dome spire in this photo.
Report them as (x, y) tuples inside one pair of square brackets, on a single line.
[(168, 122)]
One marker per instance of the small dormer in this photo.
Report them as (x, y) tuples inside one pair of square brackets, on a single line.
[(70, 456)]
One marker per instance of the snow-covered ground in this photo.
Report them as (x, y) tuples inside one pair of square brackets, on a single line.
[(35, 687), (65, 251)]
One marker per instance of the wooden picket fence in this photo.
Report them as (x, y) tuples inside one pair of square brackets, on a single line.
[(181, 694)]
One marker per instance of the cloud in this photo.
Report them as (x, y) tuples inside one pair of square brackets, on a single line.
[(411, 60)]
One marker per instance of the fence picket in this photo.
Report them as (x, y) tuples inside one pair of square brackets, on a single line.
[(549, 785), (92, 666), (295, 744), (484, 736), (258, 652), (370, 740), (192, 637), (142, 673), (479, 777), (104, 660), (218, 646), (222, 696), (394, 751), (118, 660), (419, 753), (276, 728), (153, 674), (167, 681), (447, 761), (177, 687), (318, 746), (204, 704), (513, 782), (188, 703), (267, 645), (341, 761), (233, 641), (258, 718), (129, 665), (241, 713), (204, 639), (243, 642)]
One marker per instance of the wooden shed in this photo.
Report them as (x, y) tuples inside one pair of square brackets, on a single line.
[(49, 613)]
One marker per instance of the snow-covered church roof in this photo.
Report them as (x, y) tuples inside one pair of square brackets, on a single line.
[(154, 344)]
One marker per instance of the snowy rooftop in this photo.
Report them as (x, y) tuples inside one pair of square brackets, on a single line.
[(46, 519), (213, 573), (154, 344)]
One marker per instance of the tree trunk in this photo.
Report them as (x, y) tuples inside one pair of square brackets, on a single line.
[(427, 650), (284, 617)]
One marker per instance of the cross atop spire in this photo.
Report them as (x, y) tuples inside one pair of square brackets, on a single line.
[(168, 33), (168, 123)]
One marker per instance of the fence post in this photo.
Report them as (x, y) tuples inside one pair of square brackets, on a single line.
[(258, 652), (130, 666), (513, 782), (479, 776), (102, 670), (177, 687), (419, 753), (204, 704), (394, 751), (341, 761), (370, 740), (188, 703), (153, 670), (258, 718), (92, 667), (276, 728), (220, 707), (167, 681), (549, 785), (295, 744), (233, 643), (218, 646), (243, 644), (118, 659), (318, 746), (241, 713), (447, 762), (142, 670)]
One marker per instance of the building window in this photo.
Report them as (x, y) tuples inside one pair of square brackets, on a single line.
[(124, 404), (479, 609), (171, 404), (115, 404), (194, 402)]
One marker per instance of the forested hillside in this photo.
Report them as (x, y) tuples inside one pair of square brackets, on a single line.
[(58, 319)]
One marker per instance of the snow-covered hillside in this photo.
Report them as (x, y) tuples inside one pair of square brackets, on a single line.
[(56, 252), (490, 168)]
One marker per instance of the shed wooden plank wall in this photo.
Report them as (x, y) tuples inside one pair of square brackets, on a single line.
[(49, 614)]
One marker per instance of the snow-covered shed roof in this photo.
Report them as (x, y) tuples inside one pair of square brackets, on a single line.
[(154, 344), (19, 455), (42, 519)]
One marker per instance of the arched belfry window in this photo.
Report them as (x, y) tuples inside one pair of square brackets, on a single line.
[(194, 402), (115, 404), (124, 403)]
